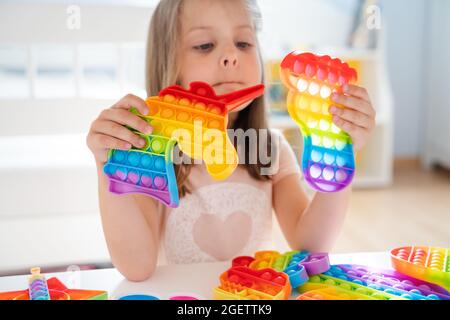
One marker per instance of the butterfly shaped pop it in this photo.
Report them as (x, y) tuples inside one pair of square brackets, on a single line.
[(197, 120), (382, 283), (430, 264), (328, 160), (243, 283), (298, 265)]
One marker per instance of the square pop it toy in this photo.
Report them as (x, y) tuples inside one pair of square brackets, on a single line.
[(197, 120), (430, 264), (328, 161), (375, 284), (243, 283), (298, 265), (52, 289)]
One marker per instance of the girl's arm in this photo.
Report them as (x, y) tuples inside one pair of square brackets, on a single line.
[(131, 223), (314, 225), (309, 225), (131, 226)]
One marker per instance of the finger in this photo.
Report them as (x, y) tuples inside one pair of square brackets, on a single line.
[(108, 142), (130, 101), (356, 117), (356, 91), (127, 118), (120, 132), (354, 103), (351, 128)]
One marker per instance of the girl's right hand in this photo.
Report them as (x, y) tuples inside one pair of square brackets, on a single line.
[(108, 131)]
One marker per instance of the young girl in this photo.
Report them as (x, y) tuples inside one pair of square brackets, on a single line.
[(215, 41)]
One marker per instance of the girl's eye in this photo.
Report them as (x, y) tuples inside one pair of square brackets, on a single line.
[(204, 47), (243, 45)]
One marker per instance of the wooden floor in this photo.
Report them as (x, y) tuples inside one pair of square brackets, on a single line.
[(415, 210)]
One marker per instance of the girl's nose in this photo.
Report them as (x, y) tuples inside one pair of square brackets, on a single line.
[(229, 60)]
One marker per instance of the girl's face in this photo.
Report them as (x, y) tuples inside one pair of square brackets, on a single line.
[(218, 46)]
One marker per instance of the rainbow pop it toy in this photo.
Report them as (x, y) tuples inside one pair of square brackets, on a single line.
[(52, 289), (328, 161), (197, 120), (298, 265), (430, 264), (37, 285), (243, 283), (375, 283)]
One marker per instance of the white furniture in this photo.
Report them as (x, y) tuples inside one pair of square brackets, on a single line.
[(49, 213), (193, 279), (436, 140)]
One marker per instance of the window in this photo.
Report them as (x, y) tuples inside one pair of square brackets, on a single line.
[(54, 71), (13, 72)]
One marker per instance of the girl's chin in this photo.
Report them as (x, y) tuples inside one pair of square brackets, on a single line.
[(225, 88)]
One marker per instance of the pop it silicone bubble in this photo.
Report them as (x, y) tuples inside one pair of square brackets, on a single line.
[(197, 120), (243, 283), (328, 160), (57, 291), (430, 264), (298, 265)]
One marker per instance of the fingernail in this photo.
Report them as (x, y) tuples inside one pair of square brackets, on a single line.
[(141, 142), (148, 130), (334, 96), (128, 146), (345, 88), (145, 112), (333, 109)]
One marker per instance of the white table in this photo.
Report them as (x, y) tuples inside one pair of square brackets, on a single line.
[(194, 279)]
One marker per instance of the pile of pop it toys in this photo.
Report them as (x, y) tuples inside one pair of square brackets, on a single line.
[(197, 120), (52, 289), (269, 275), (314, 278), (421, 273), (328, 161)]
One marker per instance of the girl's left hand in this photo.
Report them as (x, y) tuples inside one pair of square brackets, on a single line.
[(354, 114)]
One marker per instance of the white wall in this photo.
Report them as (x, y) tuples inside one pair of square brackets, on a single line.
[(406, 21)]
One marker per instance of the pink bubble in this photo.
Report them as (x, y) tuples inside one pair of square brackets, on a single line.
[(159, 182), (133, 177), (146, 180), (121, 174)]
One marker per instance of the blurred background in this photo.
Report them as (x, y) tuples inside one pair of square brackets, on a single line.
[(62, 62)]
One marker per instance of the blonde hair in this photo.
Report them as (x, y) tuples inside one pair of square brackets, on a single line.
[(162, 70)]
